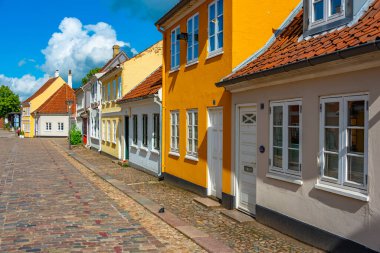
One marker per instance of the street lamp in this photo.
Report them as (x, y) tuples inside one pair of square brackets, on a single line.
[(69, 103)]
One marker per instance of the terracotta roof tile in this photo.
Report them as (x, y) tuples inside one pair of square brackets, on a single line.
[(149, 86), (56, 104), (41, 90), (287, 48)]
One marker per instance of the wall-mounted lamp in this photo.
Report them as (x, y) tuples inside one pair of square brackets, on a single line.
[(182, 36)]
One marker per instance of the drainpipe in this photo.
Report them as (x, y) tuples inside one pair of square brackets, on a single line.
[(157, 100)]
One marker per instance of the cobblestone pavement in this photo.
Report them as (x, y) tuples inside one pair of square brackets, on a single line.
[(47, 205), (242, 237)]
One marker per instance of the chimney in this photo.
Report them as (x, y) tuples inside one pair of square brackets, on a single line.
[(70, 79), (56, 74), (116, 50)]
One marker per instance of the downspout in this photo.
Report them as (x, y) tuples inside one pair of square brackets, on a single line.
[(157, 100)]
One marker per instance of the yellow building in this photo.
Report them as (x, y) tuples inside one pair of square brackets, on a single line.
[(117, 82), (30, 105), (204, 40)]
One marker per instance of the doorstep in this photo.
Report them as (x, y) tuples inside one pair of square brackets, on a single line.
[(206, 202), (237, 216)]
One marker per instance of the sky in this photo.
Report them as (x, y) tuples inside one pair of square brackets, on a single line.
[(38, 37)]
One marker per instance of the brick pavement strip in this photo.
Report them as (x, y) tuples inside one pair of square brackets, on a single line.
[(242, 237), (48, 205)]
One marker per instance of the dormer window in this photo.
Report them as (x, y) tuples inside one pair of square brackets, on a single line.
[(324, 15)]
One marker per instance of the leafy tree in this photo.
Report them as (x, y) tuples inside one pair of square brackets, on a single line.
[(89, 75), (9, 101)]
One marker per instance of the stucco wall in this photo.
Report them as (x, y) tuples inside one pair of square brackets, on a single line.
[(54, 126), (350, 218)]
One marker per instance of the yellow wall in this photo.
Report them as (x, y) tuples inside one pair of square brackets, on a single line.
[(194, 86), (38, 101)]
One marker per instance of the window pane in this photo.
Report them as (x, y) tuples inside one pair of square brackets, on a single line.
[(196, 118), (277, 136), (190, 118), (277, 115), (212, 43), (196, 146), (293, 160), (318, 10), (220, 7), (294, 138), (277, 157), (294, 115), (356, 141), (331, 165), (332, 114), (355, 166), (190, 132), (212, 12), (190, 145), (220, 40), (336, 6), (332, 139), (356, 113)]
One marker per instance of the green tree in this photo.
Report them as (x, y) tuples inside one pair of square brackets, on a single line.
[(89, 75), (9, 101)]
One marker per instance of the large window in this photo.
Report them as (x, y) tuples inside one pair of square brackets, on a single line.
[(156, 131), (145, 130), (174, 131), (286, 137), (48, 126), (192, 39), (104, 130), (344, 136), (175, 49), (114, 90), (119, 90), (109, 92), (135, 132), (26, 127), (215, 30), (60, 126), (114, 131), (192, 133), (108, 131)]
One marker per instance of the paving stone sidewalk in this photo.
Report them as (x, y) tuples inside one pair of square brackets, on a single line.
[(242, 237), (47, 205)]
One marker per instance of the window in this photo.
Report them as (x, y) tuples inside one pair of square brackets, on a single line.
[(344, 137), (26, 127), (120, 88), (114, 131), (135, 129), (103, 93), (114, 90), (192, 133), (26, 111), (109, 131), (60, 126), (109, 92), (156, 131), (175, 49), (192, 39), (286, 137), (174, 131), (145, 130), (104, 130), (48, 126), (215, 29)]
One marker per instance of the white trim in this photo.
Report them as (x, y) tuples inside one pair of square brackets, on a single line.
[(176, 135), (327, 18), (195, 56), (217, 31), (144, 148), (194, 151), (171, 71), (192, 158), (155, 151), (177, 31), (342, 192), (174, 154), (191, 63), (214, 54), (284, 178)]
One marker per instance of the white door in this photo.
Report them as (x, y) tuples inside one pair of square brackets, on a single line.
[(247, 159), (215, 152)]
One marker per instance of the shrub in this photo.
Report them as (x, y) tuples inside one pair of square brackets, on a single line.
[(22, 133), (8, 126), (75, 136)]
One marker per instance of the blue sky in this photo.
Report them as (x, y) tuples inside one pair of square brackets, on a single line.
[(39, 36)]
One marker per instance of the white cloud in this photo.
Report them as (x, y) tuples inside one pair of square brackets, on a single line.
[(25, 61), (24, 86)]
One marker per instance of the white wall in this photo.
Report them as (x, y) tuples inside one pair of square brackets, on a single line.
[(42, 120)]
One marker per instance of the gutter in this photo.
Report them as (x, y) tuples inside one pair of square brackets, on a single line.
[(125, 101), (373, 46), (170, 13)]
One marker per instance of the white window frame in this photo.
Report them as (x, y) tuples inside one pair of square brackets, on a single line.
[(108, 130), (120, 87), (135, 130), (342, 181), (156, 132), (145, 130), (285, 147), (192, 41), (114, 86), (48, 126), (60, 127), (327, 18), (175, 49), (174, 135), (217, 49), (194, 139), (114, 132), (104, 130), (108, 91)]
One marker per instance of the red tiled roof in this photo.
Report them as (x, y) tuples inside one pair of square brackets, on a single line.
[(287, 48), (149, 86), (56, 104), (41, 90)]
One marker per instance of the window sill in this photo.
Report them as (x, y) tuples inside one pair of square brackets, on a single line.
[(134, 146), (176, 154), (191, 158), (155, 151), (144, 149), (174, 70), (342, 192), (285, 178), (192, 63), (214, 54)]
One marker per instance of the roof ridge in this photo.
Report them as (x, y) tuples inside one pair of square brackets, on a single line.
[(52, 80), (51, 98)]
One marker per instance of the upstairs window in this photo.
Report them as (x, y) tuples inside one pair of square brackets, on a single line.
[(114, 90), (119, 90), (192, 39), (215, 29), (175, 48), (109, 92), (327, 14)]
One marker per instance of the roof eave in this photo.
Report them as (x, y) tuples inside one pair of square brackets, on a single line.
[(125, 101), (170, 13)]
